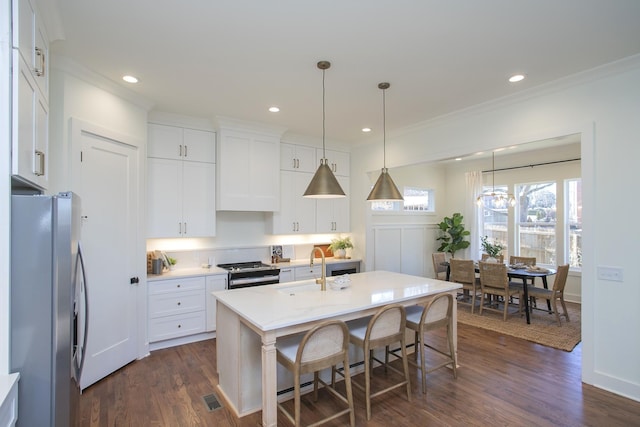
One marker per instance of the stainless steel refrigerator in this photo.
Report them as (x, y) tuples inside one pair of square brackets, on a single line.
[(48, 307)]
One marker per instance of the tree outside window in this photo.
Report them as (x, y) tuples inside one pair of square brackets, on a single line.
[(536, 224)]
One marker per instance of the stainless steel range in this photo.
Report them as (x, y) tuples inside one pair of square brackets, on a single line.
[(254, 273)]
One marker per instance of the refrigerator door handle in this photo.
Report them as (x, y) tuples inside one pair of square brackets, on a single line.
[(85, 323)]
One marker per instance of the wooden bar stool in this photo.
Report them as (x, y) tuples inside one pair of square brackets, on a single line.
[(324, 346), (437, 313), (385, 327)]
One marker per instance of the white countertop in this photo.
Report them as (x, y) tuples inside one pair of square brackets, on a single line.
[(213, 270), (276, 306)]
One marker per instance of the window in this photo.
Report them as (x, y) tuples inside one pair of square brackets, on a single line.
[(415, 200), (573, 222), (536, 221), (418, 199), (495, 219)]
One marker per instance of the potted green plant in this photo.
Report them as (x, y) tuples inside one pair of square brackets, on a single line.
[(491, 249), (453, 235), (340, 245)]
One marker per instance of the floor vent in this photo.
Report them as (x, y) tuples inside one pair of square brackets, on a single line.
[(211, 400)]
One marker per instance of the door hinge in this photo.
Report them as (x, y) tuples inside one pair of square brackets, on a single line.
[(134, 280)]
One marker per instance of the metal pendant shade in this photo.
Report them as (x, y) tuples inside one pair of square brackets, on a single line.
[(324, 184), (384, 189)]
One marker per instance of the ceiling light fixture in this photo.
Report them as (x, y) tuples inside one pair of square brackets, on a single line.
[(324, 184), (384, 189), (496, 199), (516, 78), (130, 79), (274, 109), (366, 129)]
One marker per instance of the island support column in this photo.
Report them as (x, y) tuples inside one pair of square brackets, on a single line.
[(269, 380)]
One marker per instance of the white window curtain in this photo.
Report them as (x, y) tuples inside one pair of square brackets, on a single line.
[(473, 213)]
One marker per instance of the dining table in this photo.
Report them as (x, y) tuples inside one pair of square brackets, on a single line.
[(523, 273)]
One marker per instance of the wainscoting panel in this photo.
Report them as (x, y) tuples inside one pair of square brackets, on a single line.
[(405, 248)]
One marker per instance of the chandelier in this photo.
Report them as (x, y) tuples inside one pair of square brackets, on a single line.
[(495, 198)]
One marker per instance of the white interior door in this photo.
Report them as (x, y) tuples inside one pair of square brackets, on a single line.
[(110, 206)]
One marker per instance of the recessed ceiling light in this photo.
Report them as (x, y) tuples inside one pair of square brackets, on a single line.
[(516, 78), (366, 129), (130, 79), (274, 109), (458, 159)]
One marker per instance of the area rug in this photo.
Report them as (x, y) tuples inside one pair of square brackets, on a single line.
[(543, 329)]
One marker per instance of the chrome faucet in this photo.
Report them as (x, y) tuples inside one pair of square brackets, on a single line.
[(323, 280)]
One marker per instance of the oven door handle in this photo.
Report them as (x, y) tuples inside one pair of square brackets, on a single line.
[(250, 280)]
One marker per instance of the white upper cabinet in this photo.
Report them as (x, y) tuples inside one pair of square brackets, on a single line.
[(180, 192), (248, 172), (172, 142), (333, 214), (30, 38), (30, 136), (338, 161), (297, 214), (298, 158)]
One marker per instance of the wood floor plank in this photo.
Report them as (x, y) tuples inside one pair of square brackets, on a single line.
[(501, 381)]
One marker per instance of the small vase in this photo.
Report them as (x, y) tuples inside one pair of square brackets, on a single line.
[(340, 253), (491, 259)]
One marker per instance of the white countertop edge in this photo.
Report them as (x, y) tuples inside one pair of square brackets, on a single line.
[(238, 300)]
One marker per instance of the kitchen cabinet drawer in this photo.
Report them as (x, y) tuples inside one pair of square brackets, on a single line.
[(298, 158), (173, 285), (306, 272), (181, 302), (176, 143), (163, 328)]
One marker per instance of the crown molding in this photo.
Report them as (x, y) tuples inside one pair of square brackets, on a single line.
[(69, 66)]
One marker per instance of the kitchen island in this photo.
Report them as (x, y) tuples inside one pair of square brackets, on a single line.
[(254, 318)]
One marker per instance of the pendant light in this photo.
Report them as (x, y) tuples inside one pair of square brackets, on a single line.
[(324, 184), (498, 199), (384, 189)]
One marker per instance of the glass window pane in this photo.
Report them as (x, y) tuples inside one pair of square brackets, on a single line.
[(495, 220), (536, 222), (574, 222), (418, 199)]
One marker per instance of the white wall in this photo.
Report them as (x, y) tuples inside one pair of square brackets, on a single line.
[(78, 93), (603, 106)]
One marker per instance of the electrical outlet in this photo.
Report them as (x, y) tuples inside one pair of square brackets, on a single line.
[(610, 273)]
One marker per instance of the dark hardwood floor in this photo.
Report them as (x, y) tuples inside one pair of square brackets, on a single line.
[(502, 381)]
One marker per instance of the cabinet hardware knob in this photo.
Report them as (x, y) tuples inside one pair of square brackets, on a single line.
[(179, 303), (179, 326)]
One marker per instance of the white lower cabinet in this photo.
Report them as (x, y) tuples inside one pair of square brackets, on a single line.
[(177, 308), (214, 283), (286, 275)]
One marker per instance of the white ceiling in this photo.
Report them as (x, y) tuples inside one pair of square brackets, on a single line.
[(236, 58)]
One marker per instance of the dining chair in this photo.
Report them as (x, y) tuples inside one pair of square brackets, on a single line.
[(463, 271), (324, 346), (554, 294), (436, 314), (494, 281), (529, 261), (439, 269), (500, 258), (384, 328)]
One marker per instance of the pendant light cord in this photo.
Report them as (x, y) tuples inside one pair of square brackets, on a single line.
[(384, 129), (324, 155)]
